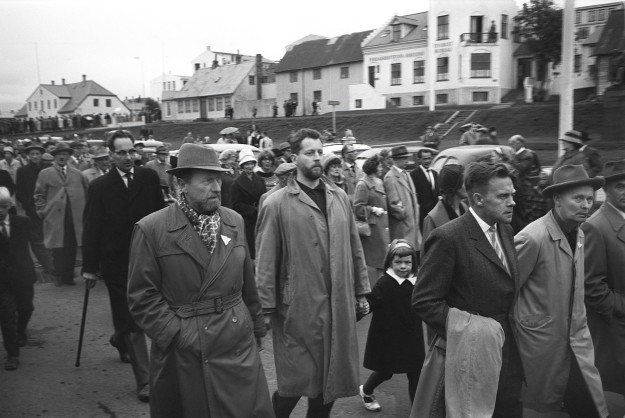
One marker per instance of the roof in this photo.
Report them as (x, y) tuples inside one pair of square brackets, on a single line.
[(414, 29), (76, 93), (215, 81), (22, 113), (613, 35), (323, 52), (310, 37)]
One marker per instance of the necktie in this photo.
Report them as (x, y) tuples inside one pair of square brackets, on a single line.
[(3, 230), (430, 178), (63, 174), (129, 179), (492, 233)]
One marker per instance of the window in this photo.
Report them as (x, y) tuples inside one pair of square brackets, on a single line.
[(358, 103), (227, 101), (395, 101), (30, 106), (293, 76), (211, 104), (195, 104), (252, 80), (168, 107), (164, 85), (443, 27), (578, 18), (55, 104), (35, 105), (173, 85), (344, 72), (96, 102), (180, 106), (396, 74), (317, 96), (480, 96), (294, 97), (396, 33), (197, 66), (417, 100), (219, 104), (601, 14), (187, 106), (504, 27), (419, 71), (480, 65), (48, 104), (441, 98), (592, 15), (577, 63), (108, 103), (442, 69), (41, 103), (316, 73), (582, 33)]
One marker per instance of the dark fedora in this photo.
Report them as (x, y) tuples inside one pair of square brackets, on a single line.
[(614, 170), (400, 151), (569, 176), (34, 147), (62, 147), (199, 157)]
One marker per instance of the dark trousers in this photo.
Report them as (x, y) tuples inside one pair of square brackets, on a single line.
[(577, 400), (64, 258), (508, 403), (24, 296), (284, 405), (377, 378), (8, 322)]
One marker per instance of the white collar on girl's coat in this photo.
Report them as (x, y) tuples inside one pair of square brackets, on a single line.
[(412, 278)]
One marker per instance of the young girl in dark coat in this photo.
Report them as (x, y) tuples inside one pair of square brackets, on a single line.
[(395, 340)]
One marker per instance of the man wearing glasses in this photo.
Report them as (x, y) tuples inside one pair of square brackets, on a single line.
[(115, 202), (351, 171)]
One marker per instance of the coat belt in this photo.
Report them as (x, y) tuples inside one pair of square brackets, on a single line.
[(207, 306)]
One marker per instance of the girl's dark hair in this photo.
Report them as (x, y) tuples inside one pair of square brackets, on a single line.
[(403, 250)]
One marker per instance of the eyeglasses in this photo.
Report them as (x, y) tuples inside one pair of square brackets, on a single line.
[(124, 153)]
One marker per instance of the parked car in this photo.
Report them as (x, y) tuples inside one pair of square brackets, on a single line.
[(466, 154)]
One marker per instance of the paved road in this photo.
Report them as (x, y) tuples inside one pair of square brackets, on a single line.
[(47, 384)]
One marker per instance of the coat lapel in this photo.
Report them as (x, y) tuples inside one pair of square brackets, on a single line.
[(616, 220), (557, 234), (186, 238), (217, 260), (481, 242)]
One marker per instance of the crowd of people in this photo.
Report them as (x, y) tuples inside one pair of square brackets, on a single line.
[(490, 286)]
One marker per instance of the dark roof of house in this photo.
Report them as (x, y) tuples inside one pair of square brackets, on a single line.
[(76, 93), (613, 35), (415, 30), (323, 52)]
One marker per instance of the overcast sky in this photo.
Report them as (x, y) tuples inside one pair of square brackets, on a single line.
[(44, 40)]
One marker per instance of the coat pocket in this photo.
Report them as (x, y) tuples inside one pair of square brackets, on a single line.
[(288, 292), (535, 321)]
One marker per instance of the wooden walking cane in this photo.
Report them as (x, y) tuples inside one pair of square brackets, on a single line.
[(82, 322)]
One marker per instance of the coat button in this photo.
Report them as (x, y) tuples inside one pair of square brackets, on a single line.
[(205, 361), (235, 319), (206, 328)]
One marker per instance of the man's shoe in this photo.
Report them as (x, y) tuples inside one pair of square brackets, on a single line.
[(369, 401), (11, 363), (22, 339), (143, 393), (123, 354)]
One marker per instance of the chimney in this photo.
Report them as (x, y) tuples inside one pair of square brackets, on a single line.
[(215, 64), (238, 58), (84, 77), (208, 47), (52, 82), (63, 81), (259, 76)]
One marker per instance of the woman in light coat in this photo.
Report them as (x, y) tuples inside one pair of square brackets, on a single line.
[(370, 207)]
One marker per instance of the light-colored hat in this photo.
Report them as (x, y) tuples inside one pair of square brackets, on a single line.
[(200, 157), (100, 152), (47, 157), (569, 176), (227, 154), (245, 156), (575, 137), (9, 149), (284, 169), (327, 159)]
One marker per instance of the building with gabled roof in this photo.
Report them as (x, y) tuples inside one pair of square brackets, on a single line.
[(612, 40), (83, 98), (320, 70)]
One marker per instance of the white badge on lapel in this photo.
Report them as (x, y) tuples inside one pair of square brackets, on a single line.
[(225, 239)]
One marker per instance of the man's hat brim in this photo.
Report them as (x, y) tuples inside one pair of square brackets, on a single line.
[(595, 182), (177, 170)]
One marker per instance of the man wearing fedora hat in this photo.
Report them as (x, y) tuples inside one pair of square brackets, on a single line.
[(554, 341), (101, 164), (115, 202), (577, 151), (605, 279), (60, 194), (403, 207), (192, 289)]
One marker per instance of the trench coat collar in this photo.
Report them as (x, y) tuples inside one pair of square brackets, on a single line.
[(485, 247), (401, 179), (293, 188), (615, 219), (557, 234), (371, 183)]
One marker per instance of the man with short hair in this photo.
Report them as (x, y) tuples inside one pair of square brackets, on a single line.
[(425, 182), (604, 259), (431, 139), (101, 164), (312, 279), (80, 159), (471, 136), (160, 165), (350, 170), (60, 194), (466, 292), (192, 290), (550, 318), (115, 202), (401, 197)]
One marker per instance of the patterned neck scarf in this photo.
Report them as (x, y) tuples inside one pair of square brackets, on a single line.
[(205, 225)]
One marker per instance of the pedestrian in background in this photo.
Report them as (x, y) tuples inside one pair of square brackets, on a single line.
[(160, 165), (10, 163), (351, 171), (370, 207), (266, 167), (101, 164), (431, 139), (191, 288), (395, 342), (425, 182), (332, 169), (550, 317), (60, 195)]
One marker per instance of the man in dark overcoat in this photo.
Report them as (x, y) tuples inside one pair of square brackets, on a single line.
[(426, 184), (470, 264), (115, 202)]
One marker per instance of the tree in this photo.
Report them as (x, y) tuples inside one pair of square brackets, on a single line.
[(540, 26), (152, 110)]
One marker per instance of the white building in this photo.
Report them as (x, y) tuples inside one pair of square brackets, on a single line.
[(166, 82)]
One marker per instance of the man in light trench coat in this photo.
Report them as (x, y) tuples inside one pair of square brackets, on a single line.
[(605, 279), (554, 340), (312, 276), (191, 289)]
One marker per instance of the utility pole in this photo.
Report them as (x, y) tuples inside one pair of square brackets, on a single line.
[(566, 87)]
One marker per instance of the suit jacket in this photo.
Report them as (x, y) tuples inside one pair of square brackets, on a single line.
[(25, 186), (7, 181), (592, 160), (16, 263), (604, 259), (403, 208), (245, 198), (112, 210), (426, 195), (351, 177)]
